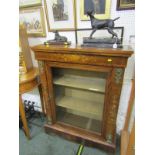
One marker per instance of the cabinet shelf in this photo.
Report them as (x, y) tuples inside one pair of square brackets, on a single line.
[(88, 108), (86, 83)]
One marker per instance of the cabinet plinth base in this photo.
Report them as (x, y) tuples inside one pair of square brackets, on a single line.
[(81, 136)]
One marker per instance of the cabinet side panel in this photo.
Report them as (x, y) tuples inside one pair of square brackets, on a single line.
[(51, 92), (114, 93), (44, 85)]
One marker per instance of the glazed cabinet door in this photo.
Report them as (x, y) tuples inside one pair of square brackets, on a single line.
[(78, 95)]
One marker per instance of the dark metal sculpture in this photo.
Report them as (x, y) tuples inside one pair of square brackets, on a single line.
[(97, 24), (101, 24), (58, 40)]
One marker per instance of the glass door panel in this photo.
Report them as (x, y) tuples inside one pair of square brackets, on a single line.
[(79, 97)]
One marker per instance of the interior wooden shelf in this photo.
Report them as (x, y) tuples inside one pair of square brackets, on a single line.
[(86, 83), (90, 108)]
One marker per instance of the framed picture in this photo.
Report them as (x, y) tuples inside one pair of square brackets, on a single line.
[(125, 4), (33, 19), (29, 3), (60, 15), (101, 8), (81, 33)]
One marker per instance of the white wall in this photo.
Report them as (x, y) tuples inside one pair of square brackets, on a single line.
[(127, 19)]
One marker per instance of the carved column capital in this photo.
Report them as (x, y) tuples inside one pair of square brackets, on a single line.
[(41, 66), (118, 75)]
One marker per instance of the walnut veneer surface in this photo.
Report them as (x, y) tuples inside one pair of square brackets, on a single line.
[(112, 62)]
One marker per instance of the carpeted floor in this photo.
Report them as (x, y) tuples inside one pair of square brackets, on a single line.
[(44, 144)]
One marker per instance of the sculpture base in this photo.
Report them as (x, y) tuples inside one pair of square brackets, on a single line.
[(53, 42), (102, 42), (101, 45)]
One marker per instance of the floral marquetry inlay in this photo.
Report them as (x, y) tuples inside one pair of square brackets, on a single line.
[(113, 109), (41, 66), (118, 75), (115, 90), (109, 138)]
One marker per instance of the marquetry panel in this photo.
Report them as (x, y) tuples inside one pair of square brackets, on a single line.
[(83, 59), (113, 101)]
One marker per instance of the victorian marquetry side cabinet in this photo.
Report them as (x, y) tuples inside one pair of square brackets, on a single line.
[(81, 89)]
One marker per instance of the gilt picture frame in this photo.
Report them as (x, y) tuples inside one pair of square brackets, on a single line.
[(29, 3), (125, 5), (101, 8), (60, 15), (33, 19)]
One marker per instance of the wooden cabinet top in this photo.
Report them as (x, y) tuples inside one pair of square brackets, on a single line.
[(126, 51)]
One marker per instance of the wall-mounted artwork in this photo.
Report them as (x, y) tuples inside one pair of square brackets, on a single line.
[(101, 8), (60, 14), (60, 11), (33, 19), (125, 4), (29, 3)]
